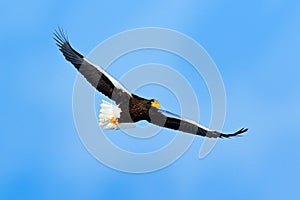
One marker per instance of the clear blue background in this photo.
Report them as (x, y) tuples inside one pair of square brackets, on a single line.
[(256, 46)]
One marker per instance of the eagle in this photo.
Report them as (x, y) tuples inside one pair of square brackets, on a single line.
[(127, 108)]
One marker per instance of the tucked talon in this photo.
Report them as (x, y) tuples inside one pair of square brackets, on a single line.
[(114, 121)]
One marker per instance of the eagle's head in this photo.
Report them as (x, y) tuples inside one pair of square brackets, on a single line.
[(155, 103)]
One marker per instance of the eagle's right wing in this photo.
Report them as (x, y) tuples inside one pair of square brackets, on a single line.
[(168, 120), (94, 74)]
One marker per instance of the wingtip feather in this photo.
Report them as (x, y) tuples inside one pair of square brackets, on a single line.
[(237, 133), (60, 36)]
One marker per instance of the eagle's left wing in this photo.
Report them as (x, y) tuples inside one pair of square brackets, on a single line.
[(94, 74), (169, 120)]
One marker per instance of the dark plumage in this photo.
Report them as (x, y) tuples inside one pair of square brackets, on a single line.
[(129, 108)]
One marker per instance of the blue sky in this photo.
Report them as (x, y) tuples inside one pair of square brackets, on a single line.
[(256, 47)]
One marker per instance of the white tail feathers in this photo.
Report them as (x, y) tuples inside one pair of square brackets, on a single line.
[(108, 116)]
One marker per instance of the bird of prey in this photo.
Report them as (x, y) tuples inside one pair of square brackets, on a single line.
[(128, 108)]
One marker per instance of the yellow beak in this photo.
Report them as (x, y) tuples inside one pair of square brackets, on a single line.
[(155, 104)]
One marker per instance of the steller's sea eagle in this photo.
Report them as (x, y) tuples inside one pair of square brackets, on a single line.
[(128, 108)]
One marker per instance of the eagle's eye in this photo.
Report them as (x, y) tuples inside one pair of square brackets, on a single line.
[(155, 104)]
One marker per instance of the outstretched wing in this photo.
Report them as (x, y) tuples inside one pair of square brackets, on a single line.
[(94, 74), (168, 120)]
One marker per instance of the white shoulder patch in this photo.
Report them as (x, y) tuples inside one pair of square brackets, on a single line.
[(170, 114), (116, 83)]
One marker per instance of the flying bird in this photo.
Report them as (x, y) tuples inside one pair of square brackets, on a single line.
[(128, 108)]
